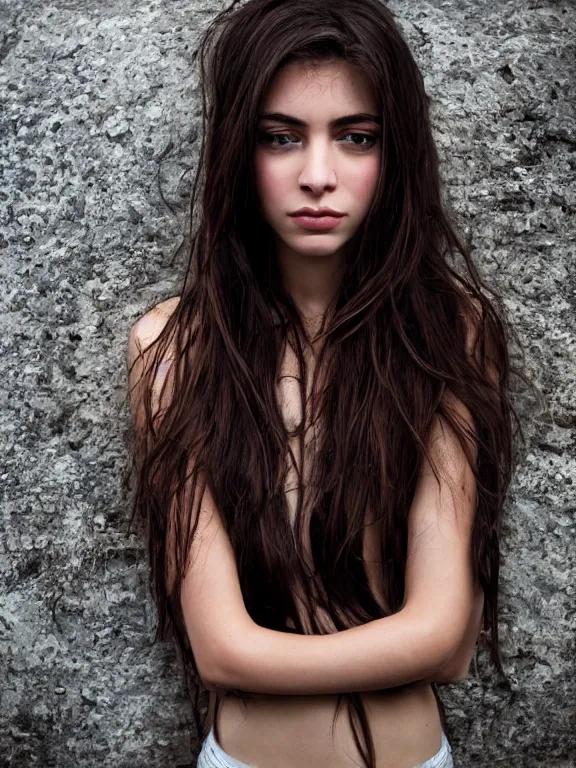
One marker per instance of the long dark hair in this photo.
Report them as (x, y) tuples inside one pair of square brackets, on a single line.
[(398, 334)]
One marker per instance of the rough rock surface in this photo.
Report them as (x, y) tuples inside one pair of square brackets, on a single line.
[(99, 127)]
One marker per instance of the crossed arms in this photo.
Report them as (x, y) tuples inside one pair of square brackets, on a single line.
[(431, 638)]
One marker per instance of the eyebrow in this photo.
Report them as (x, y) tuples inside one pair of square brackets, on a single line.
[(360, 117)]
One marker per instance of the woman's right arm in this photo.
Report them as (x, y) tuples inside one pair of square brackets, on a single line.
[(211, 597)]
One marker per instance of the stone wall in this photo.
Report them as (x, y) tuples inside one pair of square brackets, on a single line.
[(99, 128)]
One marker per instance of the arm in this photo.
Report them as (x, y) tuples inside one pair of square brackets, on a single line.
[(212, 601), (384, 653), (458, 666), (438, 627), (231, 651), (416, 643)]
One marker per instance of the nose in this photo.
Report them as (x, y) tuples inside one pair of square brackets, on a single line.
[(318, 172)]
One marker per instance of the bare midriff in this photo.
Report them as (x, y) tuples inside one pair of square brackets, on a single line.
[(275, 731)]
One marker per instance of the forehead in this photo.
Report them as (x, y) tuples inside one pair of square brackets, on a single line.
[(314, 90)]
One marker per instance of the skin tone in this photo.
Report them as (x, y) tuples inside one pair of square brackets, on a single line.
[(431, 638), (316, 163), (321, 164)]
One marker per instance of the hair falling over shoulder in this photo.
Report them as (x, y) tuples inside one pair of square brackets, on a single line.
[(411, 324)]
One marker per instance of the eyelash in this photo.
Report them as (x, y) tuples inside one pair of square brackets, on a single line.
[(265, 135)]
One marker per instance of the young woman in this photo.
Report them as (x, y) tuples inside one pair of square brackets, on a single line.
[(323, 431)]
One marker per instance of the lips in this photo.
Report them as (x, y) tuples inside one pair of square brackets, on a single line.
[(317, 223), (317, 213)]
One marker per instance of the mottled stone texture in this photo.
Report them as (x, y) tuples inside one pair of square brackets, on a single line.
[(99, 126)]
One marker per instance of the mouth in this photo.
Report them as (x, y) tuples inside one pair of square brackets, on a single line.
[(321, 213), (317, 222)]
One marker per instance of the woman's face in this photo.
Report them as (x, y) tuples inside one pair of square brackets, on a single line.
[(304, 158)]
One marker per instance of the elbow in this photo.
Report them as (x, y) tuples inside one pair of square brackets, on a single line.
[(220, 669), (451, 671), (208, 660), (217, 675), (205, 668), (220, 657), (444, 644), (237, 664), (208, 676), (461, 673), (433, 645), (458, 666)]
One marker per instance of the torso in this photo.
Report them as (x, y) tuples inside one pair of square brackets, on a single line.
[(295, 731)]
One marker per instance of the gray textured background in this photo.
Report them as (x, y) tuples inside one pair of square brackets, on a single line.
[(99, 127)]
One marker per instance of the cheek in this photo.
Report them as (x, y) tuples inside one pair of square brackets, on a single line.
[(271, 181), (363, 183)]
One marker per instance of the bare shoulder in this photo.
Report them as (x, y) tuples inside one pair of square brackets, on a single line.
[(148, 327), (143, 333)]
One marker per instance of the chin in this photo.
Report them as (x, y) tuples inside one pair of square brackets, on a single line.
[(315, 243), (317, 252)]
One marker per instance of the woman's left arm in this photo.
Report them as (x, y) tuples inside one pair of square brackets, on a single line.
[(417, 642)]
